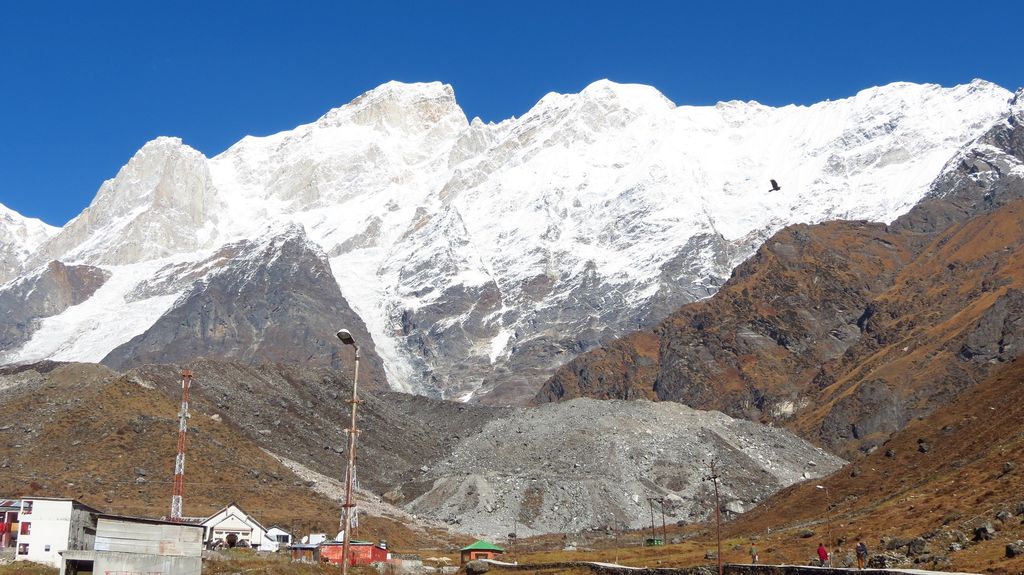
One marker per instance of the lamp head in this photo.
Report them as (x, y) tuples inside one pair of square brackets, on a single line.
[(346, 337)]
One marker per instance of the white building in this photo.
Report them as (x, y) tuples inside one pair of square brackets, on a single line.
[(277, 539), (233, 527), (316, 538), (126, 545), (49, 526)]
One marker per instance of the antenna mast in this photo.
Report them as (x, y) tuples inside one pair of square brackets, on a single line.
[(179, 461)]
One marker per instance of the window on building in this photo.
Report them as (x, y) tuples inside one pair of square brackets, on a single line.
[(46, 548), (26, 528), (281, 538), (26, 507), (23, 549)]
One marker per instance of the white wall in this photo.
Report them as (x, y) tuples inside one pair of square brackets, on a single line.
[(55, 524), (270, 542)]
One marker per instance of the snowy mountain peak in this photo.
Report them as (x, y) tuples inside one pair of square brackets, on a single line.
[(161, 202), (396, 106), (19, 239), (627, 95)]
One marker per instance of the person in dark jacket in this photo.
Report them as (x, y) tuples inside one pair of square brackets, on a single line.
[(862, 554)]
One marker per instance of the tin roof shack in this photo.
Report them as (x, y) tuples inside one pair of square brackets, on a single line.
[(479, 550), (51, 525), (305, 552), (360, 552), (9, 509), (138, 545)]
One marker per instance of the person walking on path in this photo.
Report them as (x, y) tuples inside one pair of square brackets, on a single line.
[(753, 554), (822, 554), (862, 554)]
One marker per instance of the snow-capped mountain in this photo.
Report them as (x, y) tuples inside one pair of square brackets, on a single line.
[(19, 238), (482, 256)]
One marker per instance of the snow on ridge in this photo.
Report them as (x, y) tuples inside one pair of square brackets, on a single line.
[(23, 232), (408, 199), (90, 330)]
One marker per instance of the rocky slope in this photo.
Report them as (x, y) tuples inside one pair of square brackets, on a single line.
[(919, 498), (476, 469), (482, 256), (846, 331), (589, 464), (84, 431)]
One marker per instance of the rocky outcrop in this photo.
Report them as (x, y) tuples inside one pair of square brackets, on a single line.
[(273, 300), (52, 290)]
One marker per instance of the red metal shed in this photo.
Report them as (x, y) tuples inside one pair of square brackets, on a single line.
[(360, 552)]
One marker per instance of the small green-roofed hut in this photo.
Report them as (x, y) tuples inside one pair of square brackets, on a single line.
[(479, 550)]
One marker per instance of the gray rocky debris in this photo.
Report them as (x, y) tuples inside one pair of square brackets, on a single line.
[(586, 463)]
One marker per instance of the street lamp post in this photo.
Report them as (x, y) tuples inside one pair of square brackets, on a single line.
[(346, 523), (828, 521)]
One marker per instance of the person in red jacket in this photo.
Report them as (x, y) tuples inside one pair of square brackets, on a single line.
[(822, 554)]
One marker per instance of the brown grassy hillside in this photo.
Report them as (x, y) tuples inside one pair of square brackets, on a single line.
[(83, 431)]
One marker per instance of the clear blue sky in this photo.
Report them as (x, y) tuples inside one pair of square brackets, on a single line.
[(83, 85)]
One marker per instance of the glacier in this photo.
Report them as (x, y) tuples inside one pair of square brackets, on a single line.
[(483, 255)]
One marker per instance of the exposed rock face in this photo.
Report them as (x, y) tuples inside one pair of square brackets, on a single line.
[(847, 330), (273, 300), (51, 291)]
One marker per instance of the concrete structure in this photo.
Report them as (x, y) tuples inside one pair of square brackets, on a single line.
[(233, 527), (130, 545), (9, 510), (479, 550), (49, 526), (360, 552), (276, 539)]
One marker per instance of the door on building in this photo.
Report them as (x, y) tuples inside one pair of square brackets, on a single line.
[(78, 567)]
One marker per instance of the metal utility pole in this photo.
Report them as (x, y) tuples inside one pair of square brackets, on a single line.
[(179, 462), (346, 522), (654, 535), (828, 521), (714, 477), (664, 531)]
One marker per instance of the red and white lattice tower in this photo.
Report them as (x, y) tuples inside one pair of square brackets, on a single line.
[(179, 461)]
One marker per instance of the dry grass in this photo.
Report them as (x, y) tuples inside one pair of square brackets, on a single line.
[(27, 568)]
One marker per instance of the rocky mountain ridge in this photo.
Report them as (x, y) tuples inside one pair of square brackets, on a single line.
[(482, 256), (846, 331)]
